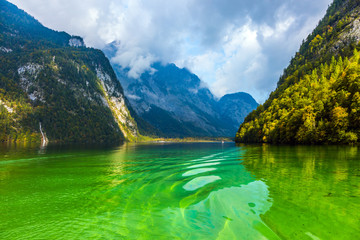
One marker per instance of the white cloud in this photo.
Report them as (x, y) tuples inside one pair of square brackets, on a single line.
[(203, 65), (244, 63), (135, 60), (233, 45)]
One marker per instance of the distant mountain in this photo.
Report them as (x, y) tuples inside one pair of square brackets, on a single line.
[(178, 104), (236, 107), (318, 97), (52, 85)]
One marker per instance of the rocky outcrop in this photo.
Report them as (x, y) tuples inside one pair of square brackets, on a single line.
[(115, 100)]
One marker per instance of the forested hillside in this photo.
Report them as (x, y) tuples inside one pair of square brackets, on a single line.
[(318, 97), (51, 78)]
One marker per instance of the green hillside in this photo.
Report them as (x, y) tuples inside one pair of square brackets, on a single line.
[(51, 78), (318, 97)]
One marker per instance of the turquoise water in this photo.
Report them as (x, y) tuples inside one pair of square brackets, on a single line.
[(180, 191)]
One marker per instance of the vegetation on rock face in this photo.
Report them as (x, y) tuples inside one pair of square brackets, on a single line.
[(72, 91), (318, 97)]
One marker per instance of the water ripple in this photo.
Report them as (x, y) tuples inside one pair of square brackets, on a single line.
[(197, 171)]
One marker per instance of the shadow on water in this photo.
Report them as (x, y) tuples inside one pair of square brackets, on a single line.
[(315, 189)]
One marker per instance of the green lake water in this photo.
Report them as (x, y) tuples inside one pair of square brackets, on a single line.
[(180, 191)]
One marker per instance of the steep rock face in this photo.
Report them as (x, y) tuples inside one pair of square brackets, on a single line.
[(51, 78), (317, 99), (116, 101), (178, 103)]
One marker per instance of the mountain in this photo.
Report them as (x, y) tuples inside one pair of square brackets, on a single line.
[(53, 87), (235, 107), (317, 99), (178, 104)]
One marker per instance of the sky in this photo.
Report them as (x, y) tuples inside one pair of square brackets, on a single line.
[(232, 45)]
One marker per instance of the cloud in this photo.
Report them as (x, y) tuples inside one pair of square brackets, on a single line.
[(233, 45), (243, 62)]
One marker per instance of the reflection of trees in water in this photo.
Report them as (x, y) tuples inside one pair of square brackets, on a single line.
[(13, 152), (189, 191), (315, 189)]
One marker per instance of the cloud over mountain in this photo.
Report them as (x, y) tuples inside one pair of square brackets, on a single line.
[(233, 45)]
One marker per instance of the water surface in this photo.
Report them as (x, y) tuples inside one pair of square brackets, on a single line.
[(180, 191)]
